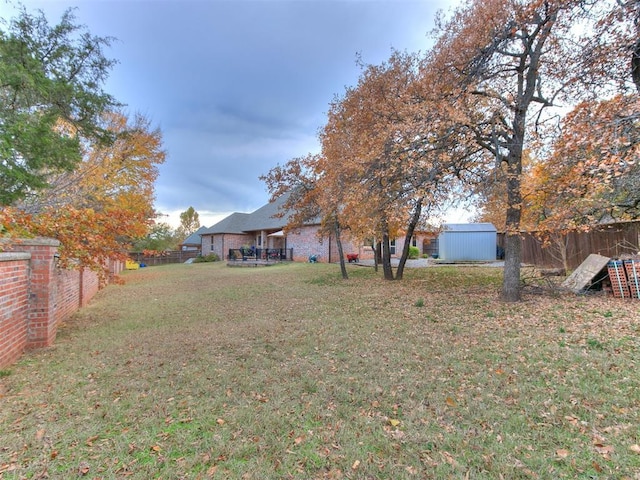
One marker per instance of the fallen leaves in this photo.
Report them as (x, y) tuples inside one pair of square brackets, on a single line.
[(428, 400), (451, 402), (83, 468), (604, 450)]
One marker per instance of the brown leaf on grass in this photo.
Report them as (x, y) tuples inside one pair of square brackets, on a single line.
[(635, 448), (562, 453), (156, 448), (355, 465), (40, 434), (451, 402), (449, 459), (83, 468), (604, 450), (334, 473)]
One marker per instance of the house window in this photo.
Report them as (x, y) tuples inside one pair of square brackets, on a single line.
[(259, 240), (392, 247), (414, 241)]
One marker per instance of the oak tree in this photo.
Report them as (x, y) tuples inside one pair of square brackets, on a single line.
[(508, 61), (379, 148), (105, 203)]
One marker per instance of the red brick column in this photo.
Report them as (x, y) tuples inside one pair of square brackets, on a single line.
[(41, 320), (14, 305)]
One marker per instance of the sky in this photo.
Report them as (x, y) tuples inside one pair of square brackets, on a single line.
[(238, 87)]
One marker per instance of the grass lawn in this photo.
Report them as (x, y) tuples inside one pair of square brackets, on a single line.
[(288, 372)]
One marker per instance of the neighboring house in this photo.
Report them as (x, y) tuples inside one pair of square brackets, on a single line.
[(264, 229), (193, 241)]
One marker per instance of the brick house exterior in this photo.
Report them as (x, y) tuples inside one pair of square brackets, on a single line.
[(263, 229)]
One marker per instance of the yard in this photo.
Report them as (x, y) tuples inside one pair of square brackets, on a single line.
[(203, 371)]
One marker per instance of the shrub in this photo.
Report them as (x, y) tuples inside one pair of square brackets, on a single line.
[(414, 252), (212, 257)]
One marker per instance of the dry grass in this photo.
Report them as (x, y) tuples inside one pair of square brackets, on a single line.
[(204, 371)]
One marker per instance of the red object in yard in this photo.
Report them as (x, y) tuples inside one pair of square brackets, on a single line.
[(632, 268), (352, 257), (618, 279)]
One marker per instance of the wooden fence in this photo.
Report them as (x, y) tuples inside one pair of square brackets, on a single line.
[(163, 258), (612, 240)]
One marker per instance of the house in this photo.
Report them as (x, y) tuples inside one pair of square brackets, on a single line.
[(261, 230), (264, 231), (193, 241)]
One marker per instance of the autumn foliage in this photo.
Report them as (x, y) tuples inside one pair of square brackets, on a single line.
[(483, 114), (95, 210)]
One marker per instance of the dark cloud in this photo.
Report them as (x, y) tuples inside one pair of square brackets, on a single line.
[(239, 86)]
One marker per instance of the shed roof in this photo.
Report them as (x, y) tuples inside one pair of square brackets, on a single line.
[(468, 227)]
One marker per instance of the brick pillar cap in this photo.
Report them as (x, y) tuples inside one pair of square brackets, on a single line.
[(10, 256), (37, 241)]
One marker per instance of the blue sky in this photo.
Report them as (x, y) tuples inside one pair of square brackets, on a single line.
[(237, 86)]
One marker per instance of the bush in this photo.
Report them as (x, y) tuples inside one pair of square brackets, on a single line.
[(414, 252), (212, 257)]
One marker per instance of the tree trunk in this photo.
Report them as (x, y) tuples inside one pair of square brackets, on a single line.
[(511, 280), (343, 267), (512, 241), (415, 218), (377, 254), (386, 257), (635, 53)]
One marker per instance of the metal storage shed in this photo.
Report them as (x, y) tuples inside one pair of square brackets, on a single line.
[(468, 242)]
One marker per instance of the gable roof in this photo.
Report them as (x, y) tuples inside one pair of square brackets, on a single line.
[(265, 217), (262, 219), (194, 238), (234, 223)]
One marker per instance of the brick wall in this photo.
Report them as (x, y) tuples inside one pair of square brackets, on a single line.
[(41, 321), (221, 243), (36, 295), (305, 242), (14, 308)]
